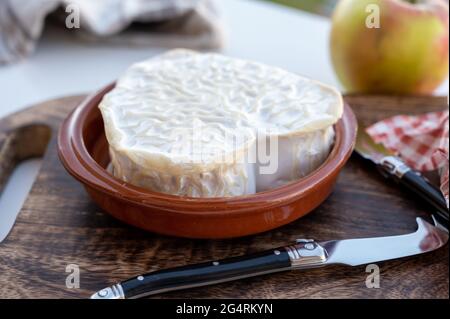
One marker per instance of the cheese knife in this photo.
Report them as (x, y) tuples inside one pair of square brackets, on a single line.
[(393, 167), (304, 254)]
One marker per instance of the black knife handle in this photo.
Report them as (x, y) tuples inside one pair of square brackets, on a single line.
[(206, 273), (304, 254), (417, 184)]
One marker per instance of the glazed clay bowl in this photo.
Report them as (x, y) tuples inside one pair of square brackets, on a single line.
[(83, 150)]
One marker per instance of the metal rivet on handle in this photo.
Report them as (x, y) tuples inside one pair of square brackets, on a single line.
[(103, 293)]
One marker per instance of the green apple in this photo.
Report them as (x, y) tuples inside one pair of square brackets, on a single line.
[(390, 46)]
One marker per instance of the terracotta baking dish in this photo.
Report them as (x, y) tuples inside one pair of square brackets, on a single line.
[(83, 150)]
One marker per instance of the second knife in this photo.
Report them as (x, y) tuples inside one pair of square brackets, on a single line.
[(393, 167)]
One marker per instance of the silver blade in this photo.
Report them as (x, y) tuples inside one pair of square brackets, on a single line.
[(15, 193), (367, 148), (354, 252)]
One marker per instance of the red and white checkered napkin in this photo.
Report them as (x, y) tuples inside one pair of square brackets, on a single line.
[(421, 141)]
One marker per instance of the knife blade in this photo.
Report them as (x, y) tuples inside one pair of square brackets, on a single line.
[(304, 254), (393, 167)]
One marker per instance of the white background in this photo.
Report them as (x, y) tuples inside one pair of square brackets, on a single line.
[(261, 31)]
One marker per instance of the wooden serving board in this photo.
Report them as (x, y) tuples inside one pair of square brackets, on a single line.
[(59, 225)]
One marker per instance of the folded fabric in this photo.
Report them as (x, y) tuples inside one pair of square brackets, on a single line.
[(421, 141), (194, 24)]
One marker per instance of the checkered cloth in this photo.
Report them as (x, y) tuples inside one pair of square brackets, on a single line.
[(421, 141)]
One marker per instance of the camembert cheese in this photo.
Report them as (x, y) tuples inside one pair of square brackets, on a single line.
[(207, 125)]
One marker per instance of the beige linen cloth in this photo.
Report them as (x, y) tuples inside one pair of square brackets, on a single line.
[(194, 24)]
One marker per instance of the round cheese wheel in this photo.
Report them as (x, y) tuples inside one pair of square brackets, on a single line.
[(207, 125)]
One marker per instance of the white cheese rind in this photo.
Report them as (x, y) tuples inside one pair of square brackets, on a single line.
[(193, 180), (187, 124), (298, 156)]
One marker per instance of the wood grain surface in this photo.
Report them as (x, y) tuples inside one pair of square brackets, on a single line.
[(59, 225)]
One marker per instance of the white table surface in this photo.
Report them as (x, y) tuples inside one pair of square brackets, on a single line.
[(62, 65)]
